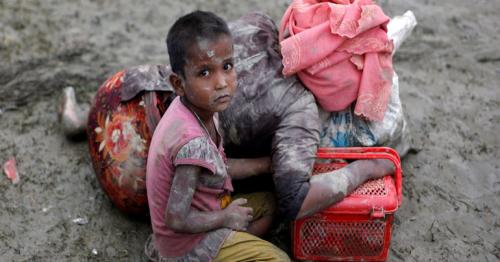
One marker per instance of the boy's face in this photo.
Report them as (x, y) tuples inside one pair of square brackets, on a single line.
[(209, 80)]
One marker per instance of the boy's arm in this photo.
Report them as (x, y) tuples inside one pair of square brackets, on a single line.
[(329, 188), (181, 218), (247, 167)]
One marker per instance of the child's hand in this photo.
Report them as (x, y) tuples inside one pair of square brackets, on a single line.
[(238, 216)]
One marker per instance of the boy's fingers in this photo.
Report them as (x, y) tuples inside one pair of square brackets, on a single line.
[(240, 201)]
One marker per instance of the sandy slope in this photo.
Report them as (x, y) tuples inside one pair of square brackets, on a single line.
[(449, 71)]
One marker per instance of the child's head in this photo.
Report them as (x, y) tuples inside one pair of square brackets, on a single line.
[(200, 47)]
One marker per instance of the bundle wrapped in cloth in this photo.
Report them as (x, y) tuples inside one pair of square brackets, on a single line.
[(340, 51), (345, 129)]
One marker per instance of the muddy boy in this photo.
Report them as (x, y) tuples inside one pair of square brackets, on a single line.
[(188, 176)]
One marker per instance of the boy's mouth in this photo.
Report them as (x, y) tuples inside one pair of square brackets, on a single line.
[(223, 98)]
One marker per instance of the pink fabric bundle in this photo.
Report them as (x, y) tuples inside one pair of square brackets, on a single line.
[(340, 51)]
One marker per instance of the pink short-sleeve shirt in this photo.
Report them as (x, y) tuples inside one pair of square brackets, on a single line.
[(179, 139)]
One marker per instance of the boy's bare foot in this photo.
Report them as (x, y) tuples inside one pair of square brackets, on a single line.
[(73, 117)]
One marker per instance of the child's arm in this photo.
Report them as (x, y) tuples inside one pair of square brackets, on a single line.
[(329, 188), (180, 217), (247, 167)]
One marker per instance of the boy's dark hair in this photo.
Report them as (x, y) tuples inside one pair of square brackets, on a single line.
[(186, 30)]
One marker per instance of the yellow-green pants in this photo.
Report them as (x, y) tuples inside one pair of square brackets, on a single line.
[(241, 246), (262, 203)]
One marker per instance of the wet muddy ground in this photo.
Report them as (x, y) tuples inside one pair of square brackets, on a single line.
[(449, 73)]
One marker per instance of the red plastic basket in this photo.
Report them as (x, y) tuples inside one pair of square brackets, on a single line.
[(357, 228)]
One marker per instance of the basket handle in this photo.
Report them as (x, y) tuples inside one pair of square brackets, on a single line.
[(368, 153)]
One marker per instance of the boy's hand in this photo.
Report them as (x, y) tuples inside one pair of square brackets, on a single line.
[(237, 216)]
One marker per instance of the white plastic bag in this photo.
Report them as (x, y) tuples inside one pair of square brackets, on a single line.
[(400, 27)]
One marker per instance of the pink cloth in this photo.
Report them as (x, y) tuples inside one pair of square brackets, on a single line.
[(340, 51), (180, 140)]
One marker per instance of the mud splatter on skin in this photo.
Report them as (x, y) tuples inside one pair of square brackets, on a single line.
[(210, 72), (338, 181), (205, 46), (180, 199), (203, 43), (334, 186), (182, 218)]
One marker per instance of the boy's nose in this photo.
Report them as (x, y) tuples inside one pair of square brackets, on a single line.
[(221, 81)]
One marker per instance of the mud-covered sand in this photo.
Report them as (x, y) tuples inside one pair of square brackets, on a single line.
[(449, 71)]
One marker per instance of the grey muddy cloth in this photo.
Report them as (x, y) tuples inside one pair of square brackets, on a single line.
[(270, 113)]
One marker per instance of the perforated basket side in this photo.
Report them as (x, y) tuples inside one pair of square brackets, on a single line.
[(358, 228), (323, 237)]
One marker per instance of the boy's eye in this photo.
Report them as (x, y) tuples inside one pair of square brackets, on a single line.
[(228, 66), (204, 72)]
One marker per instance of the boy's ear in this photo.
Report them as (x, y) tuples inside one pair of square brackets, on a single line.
[(177, 82)]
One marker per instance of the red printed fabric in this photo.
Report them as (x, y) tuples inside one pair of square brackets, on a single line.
[(119, 133), (340, 51)]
